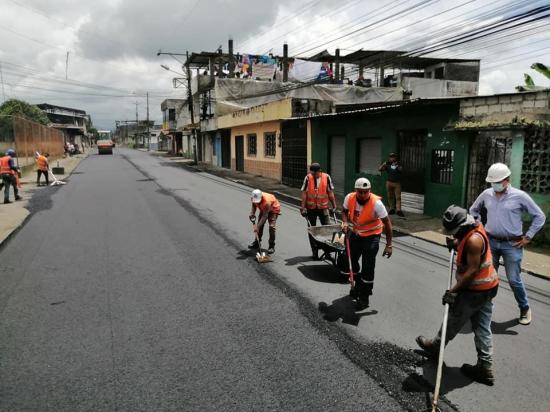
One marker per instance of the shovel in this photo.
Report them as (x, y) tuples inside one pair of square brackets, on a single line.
[(348, 252), (261, 257), (443, 337)]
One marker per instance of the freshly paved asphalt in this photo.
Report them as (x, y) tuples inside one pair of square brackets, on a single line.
[(130, 288)]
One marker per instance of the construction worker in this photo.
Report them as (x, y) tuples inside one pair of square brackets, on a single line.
[(393, 183), (8, 172), (471, 298), (270, 209), (42, 167), (505, 206), (366, 212), (317, 194)]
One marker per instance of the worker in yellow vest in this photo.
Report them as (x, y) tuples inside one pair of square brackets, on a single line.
[(42, 167), (471, 298), (317, 197), (364, 218), (8, 173), (270, 209)]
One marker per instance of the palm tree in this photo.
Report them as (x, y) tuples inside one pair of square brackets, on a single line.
[(529, 85)]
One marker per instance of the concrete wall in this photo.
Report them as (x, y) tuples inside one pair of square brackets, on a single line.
[(431, 88), (259, 164), (280, 109), (504, 108)]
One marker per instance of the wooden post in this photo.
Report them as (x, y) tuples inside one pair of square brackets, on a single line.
[(285, 62), (337, 65)]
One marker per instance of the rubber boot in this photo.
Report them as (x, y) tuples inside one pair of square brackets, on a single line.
[(481, 372), (430, 346)]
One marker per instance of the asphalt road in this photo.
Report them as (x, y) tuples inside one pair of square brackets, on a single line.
[(130, 288)]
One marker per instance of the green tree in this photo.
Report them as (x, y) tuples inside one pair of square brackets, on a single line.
[(529, 84), (14, 107)]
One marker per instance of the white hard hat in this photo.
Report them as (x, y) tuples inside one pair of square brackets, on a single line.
[(256, 196), (362, 183), (497, 173)]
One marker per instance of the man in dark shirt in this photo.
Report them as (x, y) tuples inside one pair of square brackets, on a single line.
[(393, 183)]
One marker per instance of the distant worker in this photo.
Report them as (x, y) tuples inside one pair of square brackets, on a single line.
[(505, 206), (393, 183), (42, 167), (8, 172), (270, 209), (317, 195), (471, 298), (368, 215)]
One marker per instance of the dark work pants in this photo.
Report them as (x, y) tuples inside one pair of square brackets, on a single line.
[(9, 180), (42, 172), (271, 221), (365, 248), (312, 215)]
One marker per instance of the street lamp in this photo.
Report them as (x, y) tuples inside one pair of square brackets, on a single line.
[(165, 67)]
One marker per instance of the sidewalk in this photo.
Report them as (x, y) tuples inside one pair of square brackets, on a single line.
[(535, 262), (12, 216)]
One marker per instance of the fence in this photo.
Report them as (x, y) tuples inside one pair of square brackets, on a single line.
[(28, 137)]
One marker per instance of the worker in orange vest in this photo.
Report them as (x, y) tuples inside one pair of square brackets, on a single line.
[(8, 173), (317, 196), (471, 298), (270, 209), (42, 167), (364, 218)]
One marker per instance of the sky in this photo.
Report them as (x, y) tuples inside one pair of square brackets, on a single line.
[(112, 45)]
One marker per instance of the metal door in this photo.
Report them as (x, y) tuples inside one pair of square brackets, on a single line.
[(239, 153), (294, 152), (486, 148), (337, 163), (226, 149), (412, 155)]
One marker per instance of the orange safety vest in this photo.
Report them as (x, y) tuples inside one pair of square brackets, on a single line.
[(366, 224), (5, 166), (42, 163), (317, 198), (486, 277), (269, 198)]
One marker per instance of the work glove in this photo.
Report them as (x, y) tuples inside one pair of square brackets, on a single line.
[(449, 298), (303, 211), (451, 243), (388, 250), (252, 218), (345, 227)]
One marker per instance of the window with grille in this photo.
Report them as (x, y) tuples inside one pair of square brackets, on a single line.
[(535, 173), (442, 166), (270, 144), (251, 144), (369, 155)]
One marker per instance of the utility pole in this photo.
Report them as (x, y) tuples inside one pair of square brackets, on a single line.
[(285, 62), (67, 67), (190, 102), (2, 80), (148, 131), (137, 125)]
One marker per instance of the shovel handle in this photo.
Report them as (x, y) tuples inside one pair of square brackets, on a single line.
[(348, 252)]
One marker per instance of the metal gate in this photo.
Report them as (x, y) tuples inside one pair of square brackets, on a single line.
[(337, 163), (486, 149), (412, 155), (294, 152), (239, 153), (226, 148)]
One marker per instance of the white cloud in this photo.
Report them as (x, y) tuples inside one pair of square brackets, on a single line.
[(114, 43)]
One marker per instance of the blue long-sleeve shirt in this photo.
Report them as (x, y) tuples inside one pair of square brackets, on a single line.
[(504, 213)]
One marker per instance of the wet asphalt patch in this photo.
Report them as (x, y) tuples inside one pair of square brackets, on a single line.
[(392, 367)]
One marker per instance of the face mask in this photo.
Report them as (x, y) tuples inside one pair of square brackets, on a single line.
[(498, 187)]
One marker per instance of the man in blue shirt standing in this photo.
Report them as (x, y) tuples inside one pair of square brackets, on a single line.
[(505, 206)]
